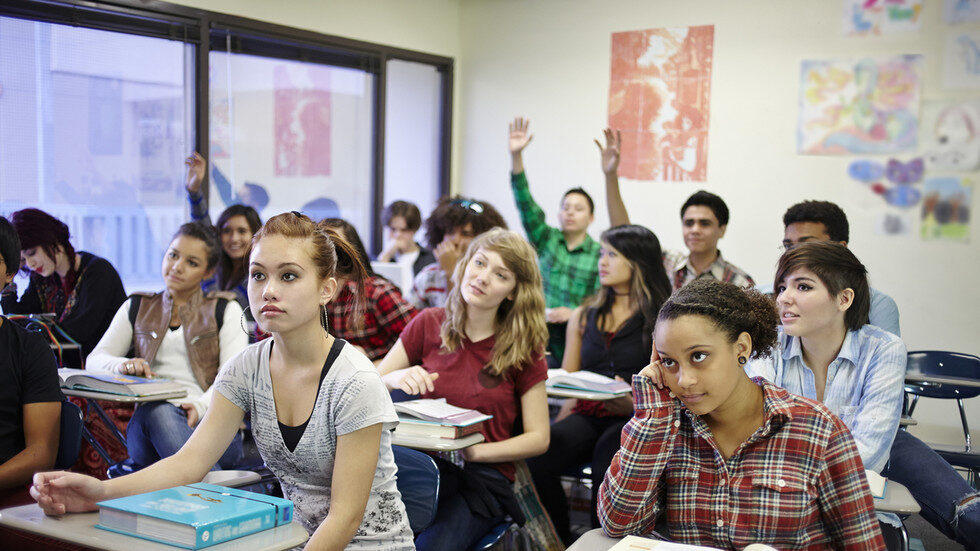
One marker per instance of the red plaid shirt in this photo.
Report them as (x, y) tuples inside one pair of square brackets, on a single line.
[(796, 483), (386, 314)]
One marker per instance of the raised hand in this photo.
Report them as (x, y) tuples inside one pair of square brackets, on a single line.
[(197, 167), (447, 255), (519, 137), (610, 153), (654, 371), (62, 492)]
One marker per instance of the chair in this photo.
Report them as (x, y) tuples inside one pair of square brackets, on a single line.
[(418, 483), (70, 440), (943, 371)]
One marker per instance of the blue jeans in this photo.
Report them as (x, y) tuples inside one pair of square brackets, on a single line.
[(947, 501), (159, 429), (455, 526)]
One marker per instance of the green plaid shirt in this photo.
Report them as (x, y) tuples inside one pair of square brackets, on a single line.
[(569, 275)]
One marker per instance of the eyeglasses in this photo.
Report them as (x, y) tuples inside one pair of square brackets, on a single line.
[(474, 206), (786, 246)]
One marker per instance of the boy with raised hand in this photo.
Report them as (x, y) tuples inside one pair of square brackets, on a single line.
[(704, 219)]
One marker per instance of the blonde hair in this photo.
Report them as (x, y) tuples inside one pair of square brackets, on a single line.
[(519, 329)]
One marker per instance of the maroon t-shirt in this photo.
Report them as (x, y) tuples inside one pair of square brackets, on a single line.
[(464, 382)]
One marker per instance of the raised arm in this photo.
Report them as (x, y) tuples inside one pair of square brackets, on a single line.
[(532, 217), (197, 169), (610, 165)]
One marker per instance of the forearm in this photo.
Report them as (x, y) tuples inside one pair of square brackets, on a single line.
[(199, 206), (176, 470), (336, 531), (518, 447), (516, 162), (114, 343), (18, 470), (614, 201), (532, 217)]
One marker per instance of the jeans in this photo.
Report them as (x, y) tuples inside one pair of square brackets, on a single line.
[(455, 525), (159, 429), (575, 440), (943, 495)]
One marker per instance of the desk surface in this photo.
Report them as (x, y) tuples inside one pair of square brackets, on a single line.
[(121, 398), (560, 392), (431, 444), (917, 377), (80, 528)]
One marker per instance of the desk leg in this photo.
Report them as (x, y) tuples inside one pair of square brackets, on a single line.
[(108, 422), (96, 446)]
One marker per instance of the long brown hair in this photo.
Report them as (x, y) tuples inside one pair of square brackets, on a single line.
[(328, 248), (520, 331)]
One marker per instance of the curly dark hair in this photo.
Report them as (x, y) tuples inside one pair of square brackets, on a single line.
[(821, 212), (456, 212), (837, 268), (730, 308)]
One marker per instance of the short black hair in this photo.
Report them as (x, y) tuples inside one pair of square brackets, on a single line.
[(583, 193), (837, 268), (710, 200), (9, 246), (821, 212)]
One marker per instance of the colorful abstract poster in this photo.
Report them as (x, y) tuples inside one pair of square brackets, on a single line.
[(950, 135), (958, 11), (946, 209), (863, 17), (859, 107), (659, 92), (302, 120), (961, 61)]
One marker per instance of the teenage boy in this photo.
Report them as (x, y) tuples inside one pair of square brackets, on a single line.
[(704, 219), (568, 256), (402, 220), (825, 221)]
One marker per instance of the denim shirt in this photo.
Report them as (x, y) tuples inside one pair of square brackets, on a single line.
[(864, 385)]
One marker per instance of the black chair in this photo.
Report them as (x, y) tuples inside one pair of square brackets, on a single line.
[(70, 440)]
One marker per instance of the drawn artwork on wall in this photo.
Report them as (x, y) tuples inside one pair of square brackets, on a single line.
[(659, 92), (864, 17), (961, 61), (958, 11), (302, 120), (946, 209), (859, 107), (894, 181), (951, 135)]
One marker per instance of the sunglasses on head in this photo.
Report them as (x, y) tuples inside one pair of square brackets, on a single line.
[(474, 206)]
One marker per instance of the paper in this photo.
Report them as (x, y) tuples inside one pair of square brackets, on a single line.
[(946, 209), (950, 135), (659, 96), (862, 17), (958, 11), (859, 107), (961, 61)]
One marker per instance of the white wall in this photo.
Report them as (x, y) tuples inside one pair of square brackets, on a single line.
[(549, 60)]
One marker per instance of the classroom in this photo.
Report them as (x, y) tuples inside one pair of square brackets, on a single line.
[(338, 108)]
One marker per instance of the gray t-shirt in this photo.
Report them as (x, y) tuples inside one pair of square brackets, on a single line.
[(351, 397)]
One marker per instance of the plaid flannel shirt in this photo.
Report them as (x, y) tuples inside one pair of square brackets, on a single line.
[(681, 272), (386, 314), (569, 276), (796, 483)]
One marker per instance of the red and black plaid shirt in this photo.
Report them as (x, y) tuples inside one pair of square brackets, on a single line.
[(386, 313), (796, 483)]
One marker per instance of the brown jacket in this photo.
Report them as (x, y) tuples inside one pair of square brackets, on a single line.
[(197, 317)]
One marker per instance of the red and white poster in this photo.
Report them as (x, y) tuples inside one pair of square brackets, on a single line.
[(302, 120), (659, 96)]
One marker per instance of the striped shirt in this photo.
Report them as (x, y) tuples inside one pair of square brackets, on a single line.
[(796, 483), (569, 276), (864, 385), (681, 272)]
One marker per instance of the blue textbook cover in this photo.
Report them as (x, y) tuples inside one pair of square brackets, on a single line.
[(194, 516)]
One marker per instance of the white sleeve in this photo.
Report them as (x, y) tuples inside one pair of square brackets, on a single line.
[(114, 344)]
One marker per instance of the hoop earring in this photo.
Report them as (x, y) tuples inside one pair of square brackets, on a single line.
[(742, 360), (241, 323), (324, 319)]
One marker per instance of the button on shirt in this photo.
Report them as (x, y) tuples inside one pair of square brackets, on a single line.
[(680, 272), (796, 483), (864, 385)]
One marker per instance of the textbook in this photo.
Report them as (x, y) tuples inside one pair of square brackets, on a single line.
[(194, 516), (877, 483), (112, 383), (438, 411), (411, 426), (587, 380)]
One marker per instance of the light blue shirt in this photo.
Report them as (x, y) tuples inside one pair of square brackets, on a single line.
[(864, 385), (884, 311)]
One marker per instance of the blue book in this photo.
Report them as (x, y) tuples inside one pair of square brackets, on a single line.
[(194, 516)]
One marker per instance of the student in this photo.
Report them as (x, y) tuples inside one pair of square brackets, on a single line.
[(610, 335), (321, 416), (483, 351), (827, 352), (824, 221), (704, 219), (403, 220), (30, 393), (81, 289), (181, 334), (385, 314), (236, 225), (724, 460), (449, 229)]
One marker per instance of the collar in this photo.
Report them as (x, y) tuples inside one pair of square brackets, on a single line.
[(793, 347), (716, 269)]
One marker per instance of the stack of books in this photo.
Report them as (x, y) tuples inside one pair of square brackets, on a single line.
[(436, 418), (111, 383), (194, 516), (587, 381)]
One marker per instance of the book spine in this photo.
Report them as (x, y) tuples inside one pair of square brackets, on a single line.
[(222, 531)]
